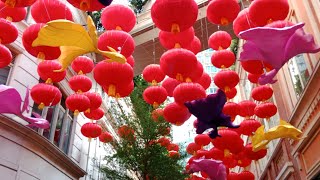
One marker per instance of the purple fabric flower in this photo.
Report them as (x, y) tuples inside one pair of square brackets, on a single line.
[(209, 113), (213, 168), (276, 46)]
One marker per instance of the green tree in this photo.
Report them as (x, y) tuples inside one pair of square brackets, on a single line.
[(141, 156)]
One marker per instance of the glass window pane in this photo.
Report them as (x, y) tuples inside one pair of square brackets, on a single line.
[(299, 73)]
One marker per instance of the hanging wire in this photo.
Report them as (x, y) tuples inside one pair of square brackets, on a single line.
[(154, 48), (45, 7)]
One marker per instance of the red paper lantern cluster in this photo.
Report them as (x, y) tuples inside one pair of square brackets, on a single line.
[(222, 12), (8, 32), (155, 95), (170, 84), (6, 56), (176, 114), (126, 133), (182, 39), (153, 74)]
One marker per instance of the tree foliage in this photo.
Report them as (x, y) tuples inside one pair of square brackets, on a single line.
[(142, 156)]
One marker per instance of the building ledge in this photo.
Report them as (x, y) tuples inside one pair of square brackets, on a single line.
[(39, 145), (285, 171)]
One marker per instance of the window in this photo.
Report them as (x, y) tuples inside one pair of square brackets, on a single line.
[(6, 71)]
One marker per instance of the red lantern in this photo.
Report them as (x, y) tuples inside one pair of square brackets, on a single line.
[(41, 52), (174, 154), (80, 83), (255, 66), (118, 17), (192, 148), (231, 109), (120, 90), (242, 159), (249, 126), (195, 45), (82, 65), (253, 78), (6, 56), (126, 132), (119, 40), (204, 81), (174, 16), (153, 74), (226, 79), (220, 40), (265, 110), (246, 108), (176, 114), (231, 93), (188, 92), (246, 175), (229, 161), (242, 22), (95, 100), (12, 14), (202, 154), (91, 130), (105, 137), (155, 95), (229, 141), (77, 103), (45, 95), (179, 64), (156, 114), (89, 5), (170, 84), (171, 40), (44, 11), (95, 114), (130, 60), (8, 32), (46, 71), (216, 153), (173, 147), (223, 58), (263, 12), (164, 142), (222, 12), (18, 3), (262, 93), (202, 139), (233, 176), (254, 155)]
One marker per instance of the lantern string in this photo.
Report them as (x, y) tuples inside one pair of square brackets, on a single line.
[(154, 48), (207, 30), (45, 6), (2, 8)]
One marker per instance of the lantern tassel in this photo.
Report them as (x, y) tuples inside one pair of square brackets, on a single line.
[(112, 90), (175, 28), (41, 56), (226, 153), (84, 5), (80, 72), (41, 106), (188, 80), (155, 105), (49, 81), (10, 3), (76, 113), (89, 139), (224, 21), (119, 28), (8, 18), (154, 83), (179, 77), (177, 45)]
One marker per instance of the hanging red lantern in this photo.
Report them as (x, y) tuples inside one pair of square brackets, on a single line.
[(242, 22), (256, 66), (89, 5), (222, 12), (118, 17), (229, 142), (223, 58), (172, 147), (263, 12), (156, 114), (246, 175), (174, 154), (82, 65), (119, 40), (242, 159), (248, 127), (216, 153), (105, 137), (77, 103), (195, 45), (231, 109), (153, 74), (188, 92), (91, 130), (41, 52), (6, 56), (192, 148), (229, 161), (45, 95), (170, 84), (8, 32), (226, 79), (204, 81), (246, 108), (220, 40), (171, 16), (262, 93), (95, 100), (130, 60), (80, 83), (176, 114), (46, 71), (12, 14), (265, 110), (202, 139), (104, 74), (202, 154), (120, 90), (126, 132), (44, 11), (155, 95), (18, 3), (95, 114), (254, 155), (171, 40), (164, 141), (231, 93), (253, 78), (179, 64), (233, 176)]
